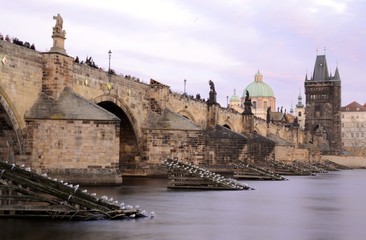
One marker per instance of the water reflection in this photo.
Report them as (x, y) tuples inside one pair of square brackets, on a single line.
[(327, 206)]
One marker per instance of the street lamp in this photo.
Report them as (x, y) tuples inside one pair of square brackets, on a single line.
[(109, 85), (185, 83), (109, 66)]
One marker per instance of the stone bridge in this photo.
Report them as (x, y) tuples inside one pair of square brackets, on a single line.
[(88, 125)]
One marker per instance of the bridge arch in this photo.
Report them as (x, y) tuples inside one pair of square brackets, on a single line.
[(186, 114), (130, 150), (11, 125), (228, 124)]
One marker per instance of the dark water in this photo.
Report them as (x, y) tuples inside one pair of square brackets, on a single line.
[(327, 206)]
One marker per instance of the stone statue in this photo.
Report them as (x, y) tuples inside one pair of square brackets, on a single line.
[(212, 86), (57, 29), (247, 105), (268, 120), (212, 94)]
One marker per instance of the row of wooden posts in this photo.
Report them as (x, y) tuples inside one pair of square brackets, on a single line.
[(184, 175), (24, 193)]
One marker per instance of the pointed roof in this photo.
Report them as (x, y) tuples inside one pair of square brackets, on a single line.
[(336, 75), (69, 106), (320, 69)]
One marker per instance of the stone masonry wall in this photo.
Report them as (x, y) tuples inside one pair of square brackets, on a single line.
[(57, 74), (184, 145), (213, 148), (197, 111), (224, 147), (289, 154), (127, 93), (72, 147), (260, 149), (20, 77)]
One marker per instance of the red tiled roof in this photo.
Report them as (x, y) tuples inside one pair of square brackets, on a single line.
[(353, 107)]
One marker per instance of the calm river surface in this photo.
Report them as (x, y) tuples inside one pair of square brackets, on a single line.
[(327, 206)]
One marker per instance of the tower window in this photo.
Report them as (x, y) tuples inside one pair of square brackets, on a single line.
[(317, 111)]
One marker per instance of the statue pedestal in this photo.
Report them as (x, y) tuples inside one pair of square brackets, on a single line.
[(248, 123), (58, 44)]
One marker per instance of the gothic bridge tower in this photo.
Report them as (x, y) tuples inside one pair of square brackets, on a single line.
[(323, 105)]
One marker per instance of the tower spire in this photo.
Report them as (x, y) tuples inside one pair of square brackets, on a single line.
[(299, 100)]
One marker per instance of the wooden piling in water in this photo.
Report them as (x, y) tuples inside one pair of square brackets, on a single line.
[(189, 176), (24, 193), (250, 171), (287, 169)]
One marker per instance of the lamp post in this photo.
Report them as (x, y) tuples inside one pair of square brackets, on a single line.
[(109, 66), (185, 83), (109, 85)]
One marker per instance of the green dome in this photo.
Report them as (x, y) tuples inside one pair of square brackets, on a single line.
[(258, 88), (234, 98)]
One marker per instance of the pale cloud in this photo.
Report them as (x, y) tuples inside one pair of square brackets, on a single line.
[(157, 11), (226, 41), (335, 5)]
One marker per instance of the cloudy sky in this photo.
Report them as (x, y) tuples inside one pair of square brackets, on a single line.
[(223, 41)]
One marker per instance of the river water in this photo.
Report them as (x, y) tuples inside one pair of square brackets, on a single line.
[(327, 206)]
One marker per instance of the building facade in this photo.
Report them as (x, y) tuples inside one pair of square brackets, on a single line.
[(323, 107), (353, 118)]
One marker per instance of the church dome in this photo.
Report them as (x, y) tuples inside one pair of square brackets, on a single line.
[(258, 88), (234, 98)]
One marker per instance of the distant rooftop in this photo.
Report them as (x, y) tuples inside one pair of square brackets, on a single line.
[(354, 107)]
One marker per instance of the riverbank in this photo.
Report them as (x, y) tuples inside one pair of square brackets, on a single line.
[(348, 161)]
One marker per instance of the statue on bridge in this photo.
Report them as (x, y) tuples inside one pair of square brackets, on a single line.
[(58, 36), (268, 117), (57, 29), (212, 94), (248, 105)]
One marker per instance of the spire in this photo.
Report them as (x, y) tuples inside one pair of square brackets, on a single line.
[(320, 69), (299, 100), (336, 75), (291, 108)]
